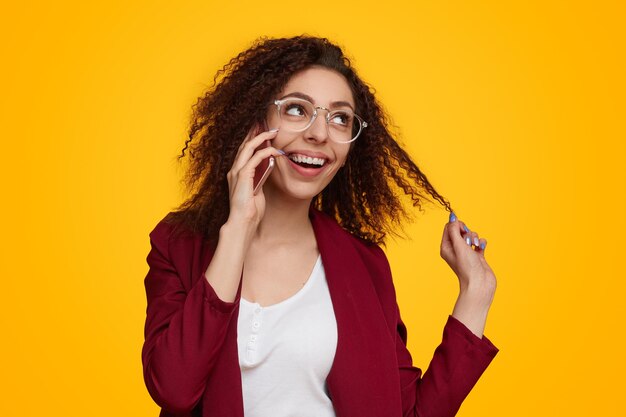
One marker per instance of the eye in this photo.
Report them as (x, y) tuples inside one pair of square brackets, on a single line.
[(341, 118), (294, 109)]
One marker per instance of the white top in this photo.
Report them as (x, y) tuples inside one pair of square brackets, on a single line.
[(286, 351)]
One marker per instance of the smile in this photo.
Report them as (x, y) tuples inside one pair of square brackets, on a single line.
[(307, 166), (307, 161)]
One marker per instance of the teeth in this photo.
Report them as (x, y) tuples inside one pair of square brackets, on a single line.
[(307, 159)]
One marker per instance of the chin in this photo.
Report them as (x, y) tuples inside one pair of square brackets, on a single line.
[(299, 189), (302, 191)]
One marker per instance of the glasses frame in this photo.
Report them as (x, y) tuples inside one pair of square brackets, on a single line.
[(362, 123)]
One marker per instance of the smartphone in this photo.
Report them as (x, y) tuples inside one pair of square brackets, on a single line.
[(263, 169)]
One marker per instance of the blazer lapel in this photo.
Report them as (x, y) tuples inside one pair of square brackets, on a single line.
[(364, 379)]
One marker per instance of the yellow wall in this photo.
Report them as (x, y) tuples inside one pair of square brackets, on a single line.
[(515, 110)]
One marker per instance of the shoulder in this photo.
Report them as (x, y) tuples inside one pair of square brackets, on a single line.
[(186, 252), (170, 234), (162, 231), (371, 254), (375, 270)]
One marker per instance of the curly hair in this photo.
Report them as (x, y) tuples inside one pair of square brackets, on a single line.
[(361, 197)]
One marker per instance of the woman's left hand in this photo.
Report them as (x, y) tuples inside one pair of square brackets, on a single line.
[(464, 251)]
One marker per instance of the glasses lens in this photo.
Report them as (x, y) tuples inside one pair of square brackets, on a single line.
[(295, 114), (343, 125)]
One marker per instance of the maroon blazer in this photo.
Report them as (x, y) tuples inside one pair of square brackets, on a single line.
[(190, 358)]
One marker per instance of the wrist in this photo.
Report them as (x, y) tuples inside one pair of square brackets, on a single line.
[(234, 235), (236, 227), (477, 293), (472, 312), (471, 304)]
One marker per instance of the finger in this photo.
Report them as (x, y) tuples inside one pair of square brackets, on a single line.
[(474, 239), (255, 139), (251, 133), (456, 235), (247, 171), (446, 249), (249, 149), (482, 245), (254, 132), (469, 237), (446, 238)]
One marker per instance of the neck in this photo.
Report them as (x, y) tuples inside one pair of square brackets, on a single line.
[(286, 219)]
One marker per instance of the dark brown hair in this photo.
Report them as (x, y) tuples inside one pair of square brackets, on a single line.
[(363, 196)]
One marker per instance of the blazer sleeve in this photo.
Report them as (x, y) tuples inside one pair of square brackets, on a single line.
[(184, 330), (457, 364)]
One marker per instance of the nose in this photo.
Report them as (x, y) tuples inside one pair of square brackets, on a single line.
[(318, 129)]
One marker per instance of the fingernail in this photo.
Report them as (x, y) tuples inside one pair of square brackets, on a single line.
[(280, 151), (468, 241), (483, 245), (452, 217), (465, 227), (273, 130), (476, 241)]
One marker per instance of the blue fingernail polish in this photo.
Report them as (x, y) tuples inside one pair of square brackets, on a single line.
[(476, 241), (452, 217), (468, 241), (280, 151), (465, 227), (482, 245)]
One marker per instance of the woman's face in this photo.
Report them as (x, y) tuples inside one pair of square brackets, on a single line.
[(324, 88)]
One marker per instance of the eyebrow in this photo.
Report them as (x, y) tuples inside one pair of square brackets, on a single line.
[(309, 98)]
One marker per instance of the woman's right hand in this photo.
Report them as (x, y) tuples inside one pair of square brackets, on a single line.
[(247, 209)]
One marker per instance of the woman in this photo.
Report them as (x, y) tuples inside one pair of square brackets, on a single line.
[(280, 302)]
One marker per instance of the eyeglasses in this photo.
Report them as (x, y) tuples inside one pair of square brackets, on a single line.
[(297, 115)]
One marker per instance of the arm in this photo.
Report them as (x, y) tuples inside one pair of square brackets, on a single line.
[(456, 366), (471, 309), (184, 330), (464, 353), (457, 363)]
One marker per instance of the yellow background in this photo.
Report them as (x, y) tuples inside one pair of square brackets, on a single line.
[(515, 111)]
